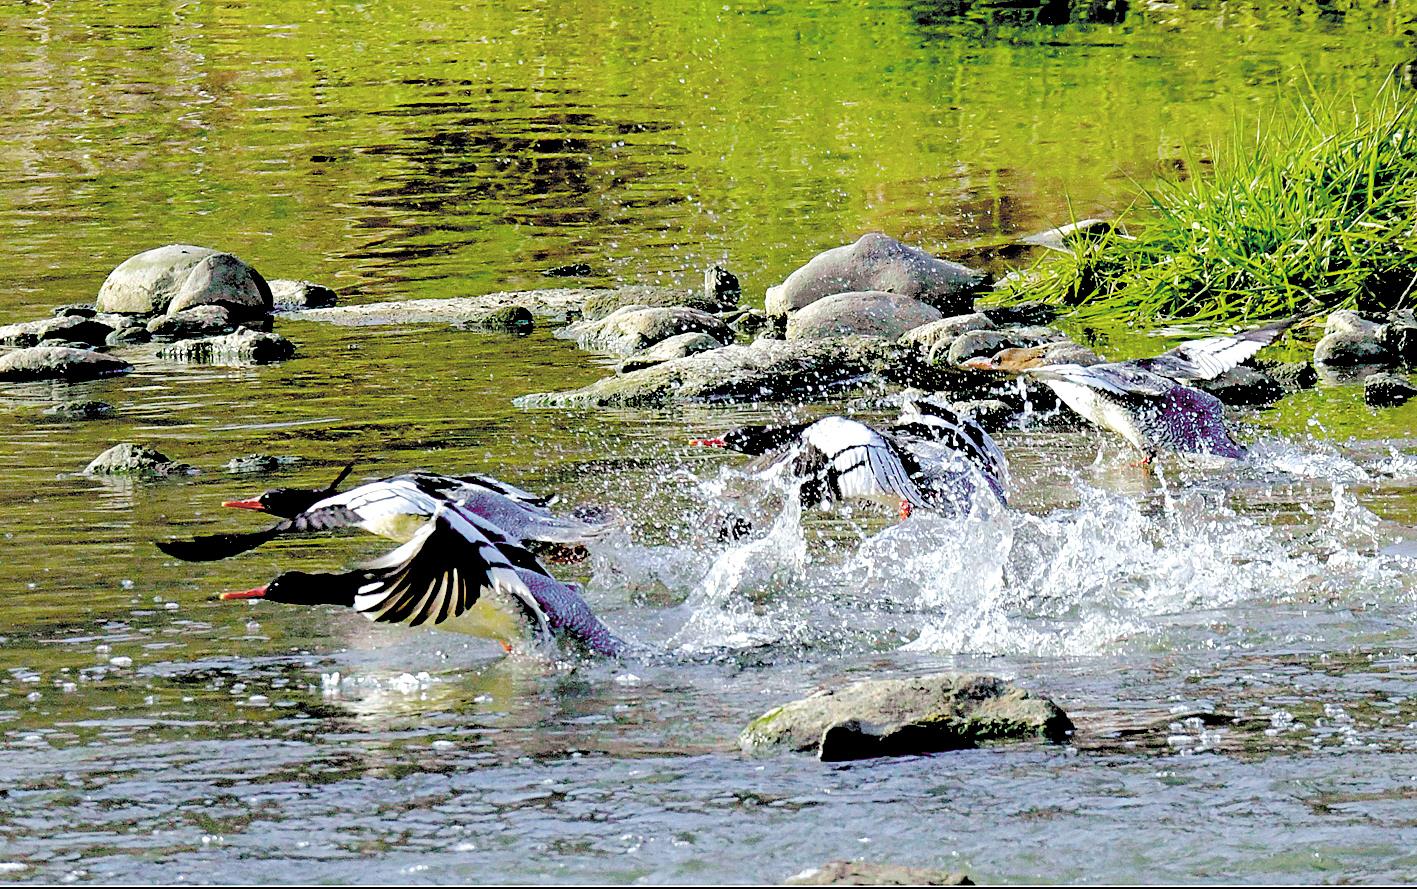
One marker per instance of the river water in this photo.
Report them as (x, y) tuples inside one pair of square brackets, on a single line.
[(1236, 645)]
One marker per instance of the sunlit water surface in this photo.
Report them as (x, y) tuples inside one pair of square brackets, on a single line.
[(1235, 644)]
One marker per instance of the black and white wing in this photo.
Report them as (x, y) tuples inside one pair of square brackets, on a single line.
[(932, 421), (210, 547), (497, 486), (853, 460), (1208, 358), (440, 573), (522, 522)]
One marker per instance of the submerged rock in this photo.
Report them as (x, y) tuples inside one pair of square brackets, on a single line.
[(878, 262), (1387, 390), (133, 459), (863, 873), (81, 410), (57, 362), (571, 270), (763, 370), (128, 336), (507, 319), (75, 310), (721, 286), (680, 346), (180, 276), (64, 328), (866, 313), (242, 347), (1294, 376), (554, 303), (901, 717), (252, 463), (287, 296), (630, 329)]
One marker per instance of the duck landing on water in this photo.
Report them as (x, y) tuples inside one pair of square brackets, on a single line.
[(1145, 400)]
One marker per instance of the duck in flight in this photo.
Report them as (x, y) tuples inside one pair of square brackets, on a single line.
[(395, 507), (1146, 400), (458, 572), (932, 458)]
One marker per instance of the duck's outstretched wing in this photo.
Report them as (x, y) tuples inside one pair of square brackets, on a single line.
[(211, 547), (931, 421), (853, 460), (441, 572), (1208, 358)]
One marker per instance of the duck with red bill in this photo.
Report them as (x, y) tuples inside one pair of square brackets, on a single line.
[(458, 572), (394, 507)]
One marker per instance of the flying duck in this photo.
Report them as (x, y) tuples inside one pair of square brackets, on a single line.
[(931, 459), (1145, 400), (459, 572), (396, 507)]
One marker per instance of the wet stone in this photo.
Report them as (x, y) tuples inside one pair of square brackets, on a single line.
[(902, 717), (680, 346), (193, 322), (242, 347), (630, 329), (1243, 386), (1387, 390), (721, 286), (868, 313), (288, 296), (81, 410), (146, 283), (1032, 313), (1064, 236), (987, 343), (221, 279), (1347, 349), (258, 463), (135, 460), (1294, 376), (1399, 336), (58, 363), (864, 873), (128, 336), (571, 270), (75, 310), (602, 303), (507, 319)]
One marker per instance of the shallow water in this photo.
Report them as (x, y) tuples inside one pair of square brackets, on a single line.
[(153, 733)]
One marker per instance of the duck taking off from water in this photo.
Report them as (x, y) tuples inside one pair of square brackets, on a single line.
[(932, 459), (396, 507), (458, 572), (1145, 400)]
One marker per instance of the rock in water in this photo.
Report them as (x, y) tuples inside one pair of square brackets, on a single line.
[(242, 347), (81, 410), (287, 296), (864, 873), (258, 463), (1241, 385), (73, 328), (601, 303), (190, 323), (680, 346), (59, 363), (721, 288), (1387, 390), (180, 276), (878, 262), (507, 319), (133, 459), (630, 329), (900, 717), (868, 313)]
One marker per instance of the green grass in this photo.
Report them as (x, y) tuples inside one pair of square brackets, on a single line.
[(1314, 210)]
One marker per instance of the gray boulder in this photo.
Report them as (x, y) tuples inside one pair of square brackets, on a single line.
[(223, 280), (258, 463), (680, 346), (865, 313), (878, 262), (80, 410), (902, 717), (1293, 376), (59, 363), (194, 322), (65, 328), (133, 459), (630, 329), (75, 310), (986, 343), (1348, 349), (1387, 390), (1243, 385), (748, 322), (241, 347), (550, 303), (287, 296), (602, 303), (145, 284), (936, 337), (128, 336), (507, 319), (1347, 321), (763, 370), (1399, 336), (864, 873)]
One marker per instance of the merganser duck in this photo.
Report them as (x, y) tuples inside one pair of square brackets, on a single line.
[(1145, 400), (394, 507), (457, 572), (931, 460)]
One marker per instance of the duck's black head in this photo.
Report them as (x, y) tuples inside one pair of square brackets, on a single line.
[(303, 588), (288, 503), (755, 440)]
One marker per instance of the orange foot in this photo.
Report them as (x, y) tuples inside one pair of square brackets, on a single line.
[(1144, 461), (905, 510), (506, 646)]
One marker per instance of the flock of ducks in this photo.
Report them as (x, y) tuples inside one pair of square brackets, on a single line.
[(468, 549)]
